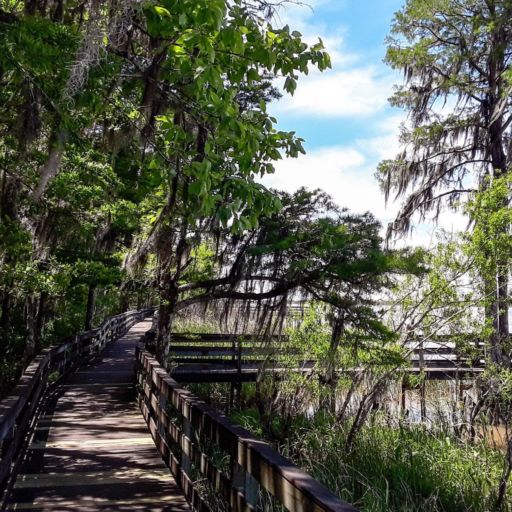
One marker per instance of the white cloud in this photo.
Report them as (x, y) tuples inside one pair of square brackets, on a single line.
[(354, 89), (385, 143), (350, 89), (347, 174), (343, 172), (352, 92), (298, 15)]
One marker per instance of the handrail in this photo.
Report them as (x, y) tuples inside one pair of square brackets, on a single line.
[(198, 337), (188, 433), (17, 410), (236, 349)]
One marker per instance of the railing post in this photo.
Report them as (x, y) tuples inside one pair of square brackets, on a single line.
[(237, 477), (7, 440), (251, 490), (136, 373), (162, 403), (186, 463), (423, 405), (239, 372), (232, 383)]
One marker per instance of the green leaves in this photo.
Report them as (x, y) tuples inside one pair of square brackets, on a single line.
[(290, 84), (452, 55), (166, 133), (234, 60), (232, 38), (490, 242), (163, 12)]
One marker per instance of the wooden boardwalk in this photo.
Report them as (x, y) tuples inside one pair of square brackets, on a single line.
[(91, 449), (117, 433), (218, 357)]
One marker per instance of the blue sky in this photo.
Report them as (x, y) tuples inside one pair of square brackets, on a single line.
[(343, 113), (357, 36)]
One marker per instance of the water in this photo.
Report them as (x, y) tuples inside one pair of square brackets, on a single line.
[(441, 404)]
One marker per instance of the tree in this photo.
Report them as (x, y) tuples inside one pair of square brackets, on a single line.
[(308, 250), (217, 135), (311, 250), (456, 59), (123, 121)]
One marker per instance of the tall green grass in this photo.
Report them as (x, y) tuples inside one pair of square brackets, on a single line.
[(393, 469)]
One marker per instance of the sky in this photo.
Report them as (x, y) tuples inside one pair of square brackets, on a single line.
[(343, 113)]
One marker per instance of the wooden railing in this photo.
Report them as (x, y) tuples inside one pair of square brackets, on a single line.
[(225, 348), (213, 459), (241, 358), (445, 354), (230, 350), (17, 410)]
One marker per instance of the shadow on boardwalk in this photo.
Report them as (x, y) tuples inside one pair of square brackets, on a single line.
[(91, 449)]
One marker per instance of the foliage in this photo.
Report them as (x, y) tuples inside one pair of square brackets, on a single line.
[(443, 302), (123, 123), (490, 243), (456, 61), (392, 469), (455, 57), (309, 248)]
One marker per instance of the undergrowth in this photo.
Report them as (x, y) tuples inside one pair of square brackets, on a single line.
[(392, 469)]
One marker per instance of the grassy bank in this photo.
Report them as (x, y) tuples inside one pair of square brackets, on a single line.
[(392, 469)]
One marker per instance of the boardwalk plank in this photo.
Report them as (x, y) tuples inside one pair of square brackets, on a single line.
[(91, 449)]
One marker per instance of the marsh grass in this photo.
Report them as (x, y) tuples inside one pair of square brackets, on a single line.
[(393, 469)]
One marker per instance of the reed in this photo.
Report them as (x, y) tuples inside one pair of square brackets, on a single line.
[(409, 468)]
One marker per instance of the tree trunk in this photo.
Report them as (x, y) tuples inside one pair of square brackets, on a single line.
[(165, 317), (52, 165), (41, 311), (502, 311), (91, 303), (497, 314), (163, 332), (30, 7), (10, 188), (5, 312), (31, 328), (365, 406), (58, 12), (125, 301), (493, 113), (403, 398), (331, 377), (341, 414)]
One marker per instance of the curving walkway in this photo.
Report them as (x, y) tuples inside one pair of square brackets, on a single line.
[(91, 449)]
